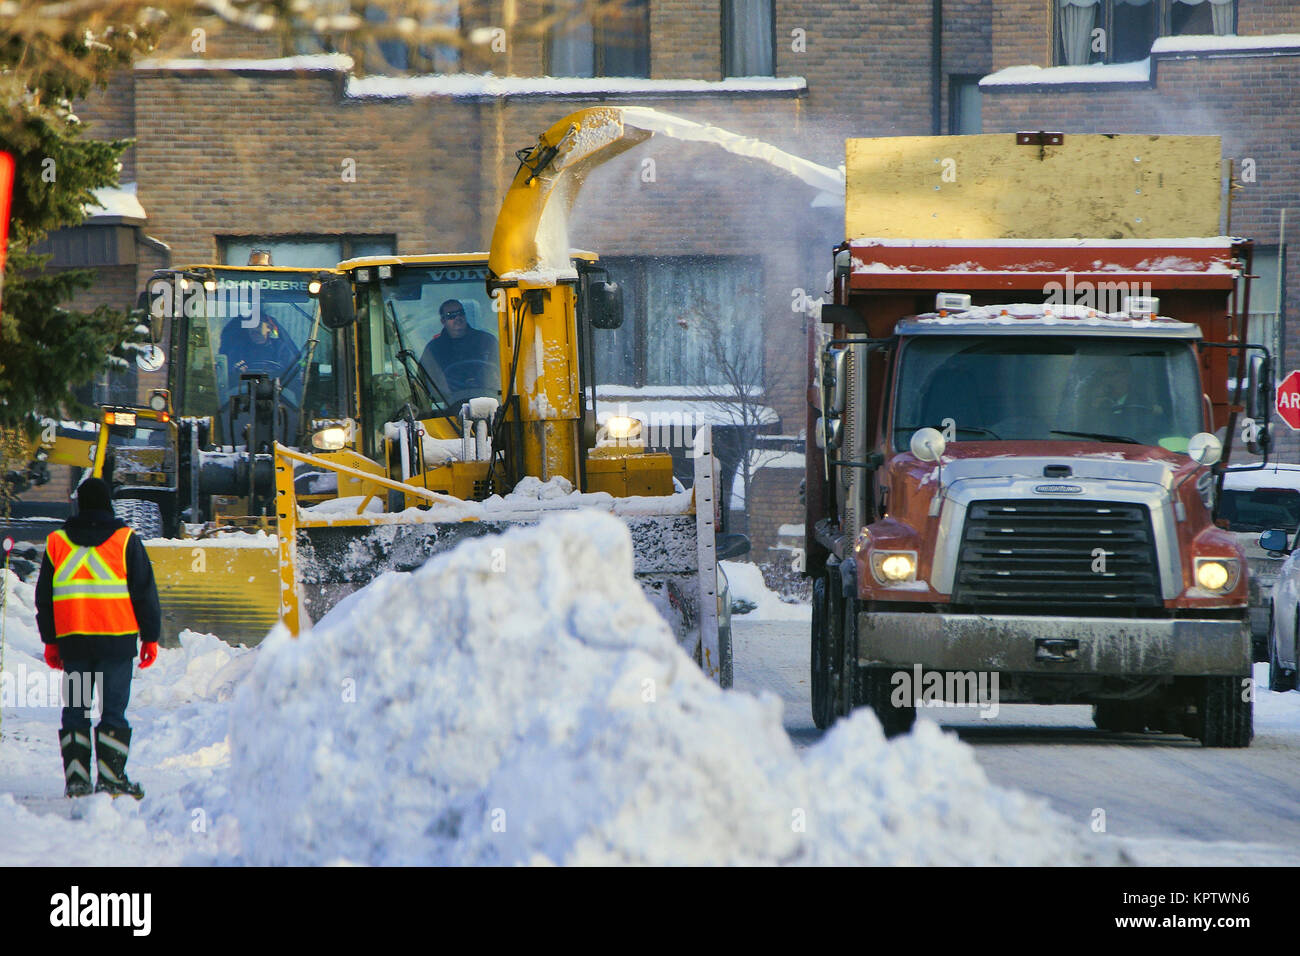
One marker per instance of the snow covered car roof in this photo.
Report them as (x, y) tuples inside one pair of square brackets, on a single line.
[(1276, 475)]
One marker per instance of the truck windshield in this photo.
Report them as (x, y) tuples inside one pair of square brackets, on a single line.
[(257, 321), (429, 339), (1053, 388)]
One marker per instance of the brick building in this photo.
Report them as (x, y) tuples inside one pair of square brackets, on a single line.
[(234, 148)]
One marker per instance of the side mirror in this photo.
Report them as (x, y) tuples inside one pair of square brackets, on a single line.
[(839, 383), (1274, 541), (337, 309), (605, 305), (1204, 448), (1259, 387), (928, 444), (732, 546)]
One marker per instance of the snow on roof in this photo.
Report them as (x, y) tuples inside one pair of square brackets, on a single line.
[(489, 85), (1038, 313), (1194, 242), (1139, 72), (317, 62), (1204, 43), (115, 201)]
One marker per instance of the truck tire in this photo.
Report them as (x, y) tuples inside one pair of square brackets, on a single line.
[(1279, 680), (1119, 716), (871, 686), (820, 670), (1226, 719), (875, 689), (141, 515)]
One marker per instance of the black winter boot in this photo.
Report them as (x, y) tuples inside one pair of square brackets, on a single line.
[(75, 745), (112, 746)]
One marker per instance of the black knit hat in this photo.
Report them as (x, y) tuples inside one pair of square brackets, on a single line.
[(94, 495)]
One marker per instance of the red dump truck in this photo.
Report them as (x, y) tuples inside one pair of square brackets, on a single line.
[(1023, 430)]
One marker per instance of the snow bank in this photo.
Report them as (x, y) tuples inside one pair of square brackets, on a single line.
[(544, 714), (489, 85), (747, 584)]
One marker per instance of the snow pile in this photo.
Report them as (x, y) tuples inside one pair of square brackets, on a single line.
[(747, 585), (543, 714), (529, 499)]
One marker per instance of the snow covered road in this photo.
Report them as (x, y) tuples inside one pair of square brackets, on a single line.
[(1170, 800)]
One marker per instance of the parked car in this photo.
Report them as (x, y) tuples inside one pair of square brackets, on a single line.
[(1253, 502)]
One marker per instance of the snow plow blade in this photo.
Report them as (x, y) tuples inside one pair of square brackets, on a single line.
[(323, 558), (224, 586)]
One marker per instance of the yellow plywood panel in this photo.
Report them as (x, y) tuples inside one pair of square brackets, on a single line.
[(988, 187)]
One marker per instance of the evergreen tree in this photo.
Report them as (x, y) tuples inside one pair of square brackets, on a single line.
[(47, 350)]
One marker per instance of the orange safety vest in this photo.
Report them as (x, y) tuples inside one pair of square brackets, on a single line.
[(90, 588)]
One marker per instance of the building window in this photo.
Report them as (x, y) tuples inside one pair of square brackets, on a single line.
[(748, 38), (1122, 31), (613, 39), (964, 114), (303, 252), (689, 321)]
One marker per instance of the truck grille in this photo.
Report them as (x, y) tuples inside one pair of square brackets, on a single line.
[(1039, 556)]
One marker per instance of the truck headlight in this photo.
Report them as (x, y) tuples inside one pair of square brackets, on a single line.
[(1217, 574), (893, 567)]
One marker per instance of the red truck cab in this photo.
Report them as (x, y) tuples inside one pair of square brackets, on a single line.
[(1015, 495)]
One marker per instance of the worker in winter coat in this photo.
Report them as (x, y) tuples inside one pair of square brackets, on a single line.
[(94, 597)]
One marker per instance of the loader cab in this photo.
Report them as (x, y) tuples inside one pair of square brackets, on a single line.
[(426, 340), (229, 325)]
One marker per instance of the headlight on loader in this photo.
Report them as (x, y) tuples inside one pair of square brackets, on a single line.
[(330, 439), (1217, 574), (893, 567)]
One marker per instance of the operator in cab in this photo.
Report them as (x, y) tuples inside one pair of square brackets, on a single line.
[(259, 348), (466, 356)]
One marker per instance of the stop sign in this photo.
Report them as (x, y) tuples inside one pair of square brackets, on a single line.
[(1288, 400)]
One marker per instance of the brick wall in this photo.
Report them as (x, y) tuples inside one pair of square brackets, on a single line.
[(772, 490), (1022, 32), (1267, 16)]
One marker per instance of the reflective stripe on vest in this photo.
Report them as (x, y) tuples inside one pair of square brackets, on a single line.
[(91, 595)]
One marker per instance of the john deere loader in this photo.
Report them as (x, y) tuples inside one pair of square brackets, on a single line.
[(247, 365), (473, 381)]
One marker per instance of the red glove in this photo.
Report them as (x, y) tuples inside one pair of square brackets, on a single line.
[(52, 656), (148, 653)]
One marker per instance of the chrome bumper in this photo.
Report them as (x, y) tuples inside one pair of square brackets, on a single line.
[(1055, 645)]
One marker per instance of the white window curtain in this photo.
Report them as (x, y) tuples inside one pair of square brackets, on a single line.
[(1078, 18), (748, 45), (1221, 10), (572, 43)]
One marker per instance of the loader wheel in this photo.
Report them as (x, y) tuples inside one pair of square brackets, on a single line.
[(1119, 716), (1226, 718), (143, 516)]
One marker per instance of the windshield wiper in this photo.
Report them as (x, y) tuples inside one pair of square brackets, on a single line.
[(961, 428), (1099, 436)]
